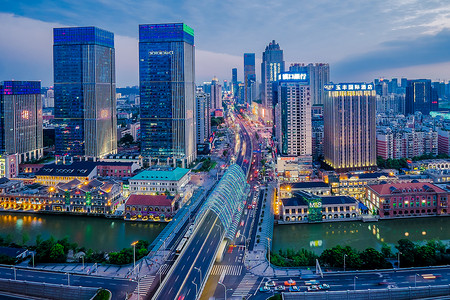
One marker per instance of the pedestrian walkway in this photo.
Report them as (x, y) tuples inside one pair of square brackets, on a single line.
[(144, 285), (227, 269), (164, 269), (245, 286)]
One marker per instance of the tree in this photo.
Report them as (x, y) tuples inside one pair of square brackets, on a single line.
[(372, 259), (127, 139), (386, 250), (57, 253), (407, 249)]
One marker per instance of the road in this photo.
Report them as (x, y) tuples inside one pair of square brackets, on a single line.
[(118, 287)]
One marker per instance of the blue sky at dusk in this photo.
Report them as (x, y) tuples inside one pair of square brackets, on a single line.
[(361, 40)]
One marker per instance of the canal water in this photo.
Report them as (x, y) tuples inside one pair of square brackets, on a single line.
[(91, 232), (359, 235)]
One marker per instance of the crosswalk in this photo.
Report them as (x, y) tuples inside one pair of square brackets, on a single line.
[(226, 269), (245, 286), (144, 285)]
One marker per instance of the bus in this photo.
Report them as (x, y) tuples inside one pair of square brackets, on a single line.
[(189, 231), (181, 246)]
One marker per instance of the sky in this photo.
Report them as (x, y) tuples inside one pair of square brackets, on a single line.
[(360, 39)]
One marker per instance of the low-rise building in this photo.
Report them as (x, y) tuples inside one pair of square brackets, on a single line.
[(52, 174), (406, 199), (9, 165), (304, 207), (157, 181), (116, 169), (318, 188), (294, 168), (150, 207)]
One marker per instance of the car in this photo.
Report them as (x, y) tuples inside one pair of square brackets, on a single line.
[(264, 289), (280, 288), (271, 283), (384, 282), (249, 206), (313, 288), (289, 282), (324, 286), (294, 288), (312, 282), (242, 223), (430, 276)]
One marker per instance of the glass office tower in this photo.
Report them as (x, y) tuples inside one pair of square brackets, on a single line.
[(21, 119), (85, 92), (249, 78), (167, 90)]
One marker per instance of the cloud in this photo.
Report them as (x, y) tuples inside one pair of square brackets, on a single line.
[(397, 55)]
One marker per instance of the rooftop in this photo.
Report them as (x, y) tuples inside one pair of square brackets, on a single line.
[(408, 187), (169, 175), (305, 185), (338, 200), (83, 168)]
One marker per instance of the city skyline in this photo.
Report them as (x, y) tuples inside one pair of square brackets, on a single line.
[(366, 50)]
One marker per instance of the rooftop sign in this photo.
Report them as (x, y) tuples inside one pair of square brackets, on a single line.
[(361, 86)]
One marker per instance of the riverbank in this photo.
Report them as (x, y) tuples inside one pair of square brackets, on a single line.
[(320, 236)]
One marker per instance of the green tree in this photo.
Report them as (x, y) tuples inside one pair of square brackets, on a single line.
[(57, 253), (127, 139), (372, 259), (25, 238), (386, 250), (407, 251)]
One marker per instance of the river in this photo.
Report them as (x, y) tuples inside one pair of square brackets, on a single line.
[(359, 235), (91, 232)]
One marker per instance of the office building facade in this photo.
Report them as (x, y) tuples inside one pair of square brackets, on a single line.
[(249, 78), (167, 91), (234, 83), (202, 115), (319, 75), (349, 126), (216, 95), (293, 115), (272, 65), (85, 91), (420, 96), (21, 130)]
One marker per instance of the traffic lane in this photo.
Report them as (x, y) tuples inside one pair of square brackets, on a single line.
[(119, 287), (178, 275), (202, 261)]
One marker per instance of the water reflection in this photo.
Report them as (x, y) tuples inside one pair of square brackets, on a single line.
[(96, 233), (359, 235)]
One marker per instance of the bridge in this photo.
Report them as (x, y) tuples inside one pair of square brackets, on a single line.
[(215, 221)]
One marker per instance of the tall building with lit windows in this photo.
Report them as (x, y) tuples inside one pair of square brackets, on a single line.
[(249, 78), (167, 91), (349, 126), (272, 65), (85, 91), (21, 119), (319, 75)]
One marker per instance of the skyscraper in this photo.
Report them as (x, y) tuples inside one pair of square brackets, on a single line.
[(272, 65), (21, 119), (167, 89), (350, 131), (85, 91), (293, 115), (249, 77), (202, 115), (419, 97), (234, 83), (319, 75), (216, 95)]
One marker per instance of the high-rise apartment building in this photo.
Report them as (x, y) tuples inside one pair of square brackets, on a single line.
[(167, 89), (85, 91), (420, 96), (234, 83), (293, 115), (216, 95), (349, 126), (272, 65), (249, 78), (319, 75), (202, 115), (21, 119)]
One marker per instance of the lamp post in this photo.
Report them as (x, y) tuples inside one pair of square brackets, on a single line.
[(134, 255), (224, 289), (268, 245), (68, 279), (354, 283), (200, 271), (196, 289), (415, 279), (220, 228), (15, 272), (82, 260), (32, 254), (398, 259), (344, 261)]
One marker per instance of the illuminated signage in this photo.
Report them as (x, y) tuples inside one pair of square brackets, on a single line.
[(349, 87), (293, 76), (160, 53)]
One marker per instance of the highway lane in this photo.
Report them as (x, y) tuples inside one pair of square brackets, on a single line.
[(198, 254), (119, 287)]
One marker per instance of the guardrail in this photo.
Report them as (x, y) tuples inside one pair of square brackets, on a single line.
[(382, 294)]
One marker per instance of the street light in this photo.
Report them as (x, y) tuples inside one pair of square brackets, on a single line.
[(82, 259), (68, 278), (344, 261), (220, 228), (134, 255), (415, 279), (32, 253), (196, 289), (354, 283), (200, 271), (224, 289), (268, 245), (398, 258), (15, 272)]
